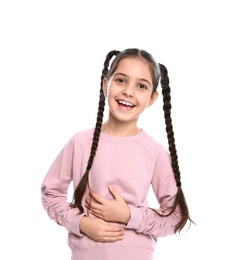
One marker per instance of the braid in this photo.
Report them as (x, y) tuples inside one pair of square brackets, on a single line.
[(168, 121), (80, 190), (180, 198)]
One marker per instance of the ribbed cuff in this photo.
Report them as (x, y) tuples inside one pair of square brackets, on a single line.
[(75, 223), (136, 218)]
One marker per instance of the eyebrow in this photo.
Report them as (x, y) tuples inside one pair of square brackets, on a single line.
[(122, 74)]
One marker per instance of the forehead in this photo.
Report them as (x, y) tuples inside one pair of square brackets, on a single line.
[(134, 67)]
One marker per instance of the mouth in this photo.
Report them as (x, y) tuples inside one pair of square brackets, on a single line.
[(125, 104)]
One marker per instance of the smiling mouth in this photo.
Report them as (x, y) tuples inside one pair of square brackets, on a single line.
[(125, 103)]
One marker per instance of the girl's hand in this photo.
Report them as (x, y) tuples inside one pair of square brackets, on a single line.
[(100, 231), (115, 210)]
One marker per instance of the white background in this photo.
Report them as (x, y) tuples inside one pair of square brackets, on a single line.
[(51, 57)]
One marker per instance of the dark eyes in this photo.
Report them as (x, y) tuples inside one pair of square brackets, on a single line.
[(142, 86), (122, 81)]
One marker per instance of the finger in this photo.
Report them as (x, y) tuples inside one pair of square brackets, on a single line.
[(114, 236), (88, 200), (92, 208), (89, 203), (114, 192), (98, 198), (114, 231), (96, 213), (111, 233), (110, 239)]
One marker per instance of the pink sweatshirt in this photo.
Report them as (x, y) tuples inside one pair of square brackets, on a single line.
[(131, 164)]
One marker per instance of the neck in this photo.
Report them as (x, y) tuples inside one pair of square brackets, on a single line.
[(120, 129)]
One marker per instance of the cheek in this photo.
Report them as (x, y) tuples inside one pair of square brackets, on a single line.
[(111, 91), (145, 101)]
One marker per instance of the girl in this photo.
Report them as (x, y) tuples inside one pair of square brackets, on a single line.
[(112, 167)]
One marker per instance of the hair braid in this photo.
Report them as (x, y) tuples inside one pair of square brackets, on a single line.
[(180, 198), (80, 190), (101, 108), (168, 121)]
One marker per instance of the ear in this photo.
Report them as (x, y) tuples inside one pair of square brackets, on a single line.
[(104, 86), (153, 98)]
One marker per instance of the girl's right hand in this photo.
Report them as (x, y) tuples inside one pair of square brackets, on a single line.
[(100, 231)]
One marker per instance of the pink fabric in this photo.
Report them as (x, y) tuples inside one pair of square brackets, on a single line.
[(131, 165)]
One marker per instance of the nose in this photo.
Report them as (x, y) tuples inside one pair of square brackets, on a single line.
[(128, 91)]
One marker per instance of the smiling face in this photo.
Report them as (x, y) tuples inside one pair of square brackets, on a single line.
[(129, 90)]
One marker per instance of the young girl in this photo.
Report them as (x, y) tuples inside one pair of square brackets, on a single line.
[(112, 167)]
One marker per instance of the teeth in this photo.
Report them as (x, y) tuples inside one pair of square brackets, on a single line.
[(126, 103)]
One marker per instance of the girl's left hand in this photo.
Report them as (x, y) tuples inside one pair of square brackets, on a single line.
[(115, 210)]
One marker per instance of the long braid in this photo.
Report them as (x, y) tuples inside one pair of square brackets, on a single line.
[(168, 121), (80, 190), (101, 107), (180, 198)]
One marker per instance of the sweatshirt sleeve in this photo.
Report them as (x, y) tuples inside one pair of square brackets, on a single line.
[(146, 220), (54, 191)]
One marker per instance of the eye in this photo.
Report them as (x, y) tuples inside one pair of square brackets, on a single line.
[(142, 86), (120, 80)]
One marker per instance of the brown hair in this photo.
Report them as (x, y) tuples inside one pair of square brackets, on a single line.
[(158, 71)]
